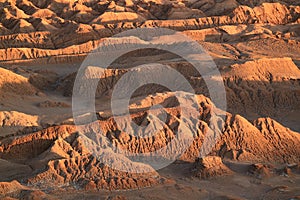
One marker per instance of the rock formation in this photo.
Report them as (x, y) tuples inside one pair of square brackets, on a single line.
[(44, 155)]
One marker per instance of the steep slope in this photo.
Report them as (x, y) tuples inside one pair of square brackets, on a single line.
[(254, 43), (263, 87), (12, 122), (58, 25), (60, 156), (13, 83), (259, 88), (210, 167)]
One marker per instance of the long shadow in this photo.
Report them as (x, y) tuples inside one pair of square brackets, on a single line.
[(252, 99), (25, 151), (278, 99)]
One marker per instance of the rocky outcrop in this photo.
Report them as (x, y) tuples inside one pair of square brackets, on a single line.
[(29, 31), (12, 121), (13, 83), (14, 118), (259, 86), (264, 87), (86, 172), (260, 171), (10, 187), (236, 33), (61, 157), (209, 167), (14, 190)]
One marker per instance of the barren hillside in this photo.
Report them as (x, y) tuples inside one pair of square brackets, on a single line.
[(48, 151)]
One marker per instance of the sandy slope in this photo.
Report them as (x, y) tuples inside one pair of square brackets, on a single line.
[(254, 43)]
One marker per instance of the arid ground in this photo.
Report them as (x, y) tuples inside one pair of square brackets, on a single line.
[(255, 45)]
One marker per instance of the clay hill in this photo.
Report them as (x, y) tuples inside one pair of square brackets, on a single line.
[(57, 156), (43, 155), (61, 29)]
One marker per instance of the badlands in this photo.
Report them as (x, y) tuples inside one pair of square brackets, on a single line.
[(255, 45)]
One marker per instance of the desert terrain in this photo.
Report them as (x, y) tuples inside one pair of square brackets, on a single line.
[(255, 46)]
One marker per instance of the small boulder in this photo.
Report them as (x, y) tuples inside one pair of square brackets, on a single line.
[(210, 166), (260, 171)]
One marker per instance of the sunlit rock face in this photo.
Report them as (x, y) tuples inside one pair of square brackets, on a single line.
[(185, 146)]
